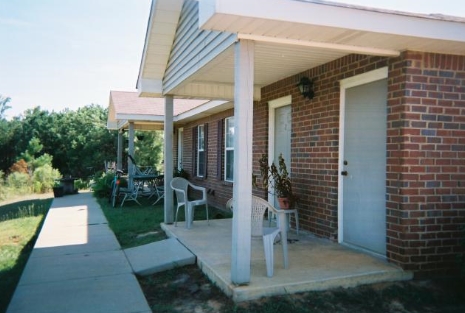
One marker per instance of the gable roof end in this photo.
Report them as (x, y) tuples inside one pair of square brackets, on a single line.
[(161, 29)]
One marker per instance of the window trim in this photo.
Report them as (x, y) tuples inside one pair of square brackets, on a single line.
[(200, 131), (180, 148), (226, 149)]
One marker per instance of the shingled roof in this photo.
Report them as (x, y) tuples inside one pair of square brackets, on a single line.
[(146, 113)]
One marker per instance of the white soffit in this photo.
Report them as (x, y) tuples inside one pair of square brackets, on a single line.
[(206, 109), (322, 22)]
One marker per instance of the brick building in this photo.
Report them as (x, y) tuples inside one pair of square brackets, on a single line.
[(377, 156)]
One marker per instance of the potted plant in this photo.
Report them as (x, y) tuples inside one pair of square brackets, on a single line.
[(277, 179), (58, 189)]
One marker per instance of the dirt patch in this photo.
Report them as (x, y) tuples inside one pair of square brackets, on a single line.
[(183, 289), (186, 289)]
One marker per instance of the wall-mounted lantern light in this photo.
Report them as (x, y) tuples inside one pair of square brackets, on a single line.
[(306, 87)]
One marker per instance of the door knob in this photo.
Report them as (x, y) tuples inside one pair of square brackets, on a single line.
[(344, 173)]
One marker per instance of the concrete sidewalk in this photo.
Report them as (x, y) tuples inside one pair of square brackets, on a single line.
[(77, 265)]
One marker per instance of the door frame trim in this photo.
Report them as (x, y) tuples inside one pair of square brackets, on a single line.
[(272, 106), (345, 84)]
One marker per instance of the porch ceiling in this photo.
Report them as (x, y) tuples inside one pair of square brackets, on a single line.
[(273, 62), (292, 36)]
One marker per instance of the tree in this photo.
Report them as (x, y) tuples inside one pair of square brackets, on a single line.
[(85, 141), (75, 141), (149, 151), (33, 148), (4, 105), (11, 132)]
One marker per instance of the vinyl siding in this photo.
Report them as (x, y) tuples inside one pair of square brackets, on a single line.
[(192, 48)]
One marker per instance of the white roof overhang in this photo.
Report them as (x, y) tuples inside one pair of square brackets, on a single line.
[(329, 22), (294, 35)]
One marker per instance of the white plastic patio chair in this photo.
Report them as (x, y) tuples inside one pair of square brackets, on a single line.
[(259, 207), (180, 187)]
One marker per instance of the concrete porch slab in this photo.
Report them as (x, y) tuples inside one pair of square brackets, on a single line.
[(158, 256), (314, 263)]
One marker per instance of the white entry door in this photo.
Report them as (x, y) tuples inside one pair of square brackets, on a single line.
[(280, 124), (363, 168)]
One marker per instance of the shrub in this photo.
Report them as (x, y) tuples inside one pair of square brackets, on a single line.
[(37, 186), (180, 173), (44, 177), (18, 180), (101, 184), (81, 184), (20, 167)]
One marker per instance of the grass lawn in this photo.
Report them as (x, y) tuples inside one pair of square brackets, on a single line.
[(135, 225), (20, 224), (132, 224)]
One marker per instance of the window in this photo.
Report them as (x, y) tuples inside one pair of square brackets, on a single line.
[(201, 151), (180, 147), (229, 149)]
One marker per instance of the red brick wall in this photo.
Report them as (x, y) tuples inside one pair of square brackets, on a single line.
[(315, 138), (426, 153), (426, 162), (219, 191)]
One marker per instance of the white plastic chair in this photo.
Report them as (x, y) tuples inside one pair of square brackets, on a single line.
[(180, 187), (259, 207)]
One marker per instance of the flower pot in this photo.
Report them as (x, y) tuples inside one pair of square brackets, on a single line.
[(284, 203), (58, 191)]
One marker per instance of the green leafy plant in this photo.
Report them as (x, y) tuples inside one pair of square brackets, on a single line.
[(101, 185), (277, 178), (180, 173), (81, 184)]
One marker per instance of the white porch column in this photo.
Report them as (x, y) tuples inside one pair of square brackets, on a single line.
[(242, 190), (131, 152), (168, 159), (119, 153)]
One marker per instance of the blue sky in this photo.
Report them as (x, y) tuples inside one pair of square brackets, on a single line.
[(60, 54)]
